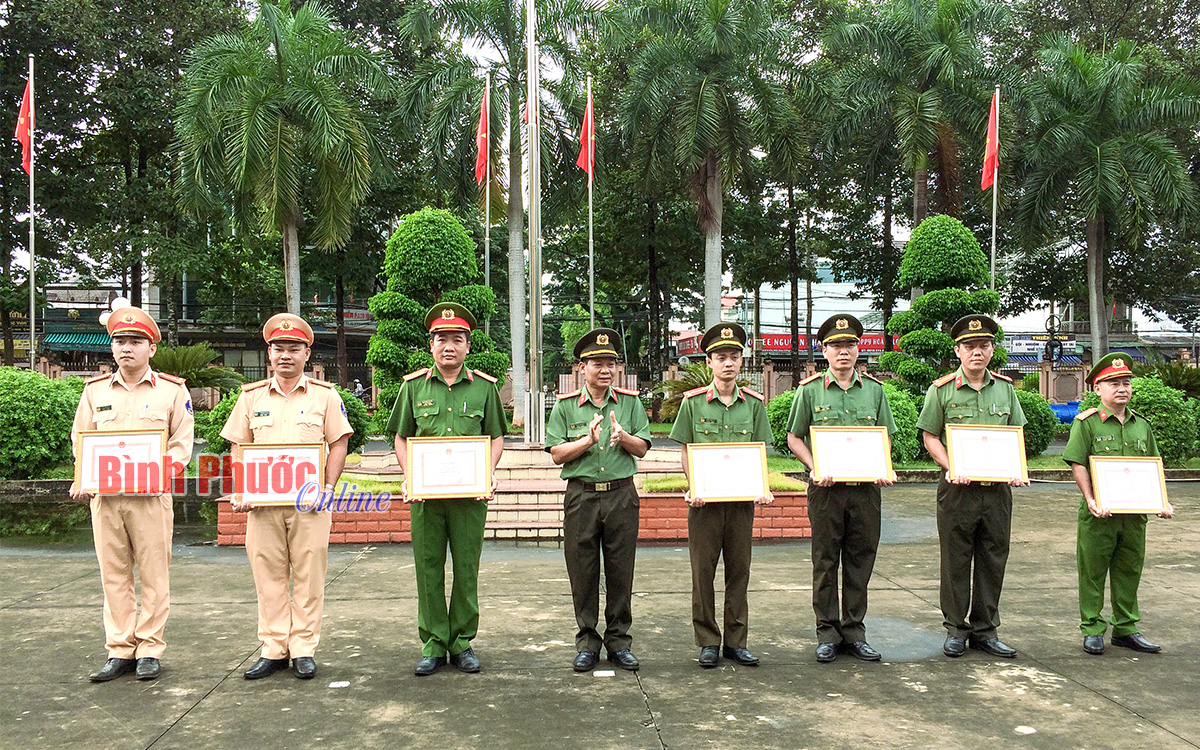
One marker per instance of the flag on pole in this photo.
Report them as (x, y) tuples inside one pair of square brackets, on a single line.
[(991, 154), (481, 140), (587, 142), (24, 132)]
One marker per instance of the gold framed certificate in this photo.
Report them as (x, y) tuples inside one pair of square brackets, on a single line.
[(986, 453), (278, 473), (851, 454), (1128, 484), (451, 467), (121, 463), (727, 472)]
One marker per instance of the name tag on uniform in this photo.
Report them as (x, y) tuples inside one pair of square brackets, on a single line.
[(821, 408), (262, 413), (707, 421), (107, 407), (421, 404)]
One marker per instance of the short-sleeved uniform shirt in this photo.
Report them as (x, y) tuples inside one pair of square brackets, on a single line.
[(156, 402), (704, 418), (428, 406), (312, 413), (952, 400), (1096, 432), (601, 462), (822, 402)]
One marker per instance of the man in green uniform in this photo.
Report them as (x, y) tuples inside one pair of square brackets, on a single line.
[(845, 516), (974, 518), (448, 400), (597, 434), (1107, 545), (721, 413)]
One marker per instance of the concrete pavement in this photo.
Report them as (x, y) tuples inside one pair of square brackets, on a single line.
[(365, 695)]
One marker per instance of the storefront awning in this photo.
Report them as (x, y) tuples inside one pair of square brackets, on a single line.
[(78, 342)]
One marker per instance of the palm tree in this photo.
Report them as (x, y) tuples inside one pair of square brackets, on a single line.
[(194, 364), (705, 90), (275, 118), (441, 101), (912, 65), (1100, 148)]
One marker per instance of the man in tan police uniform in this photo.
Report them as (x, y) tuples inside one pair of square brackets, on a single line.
[(131, 530), (289, 407)]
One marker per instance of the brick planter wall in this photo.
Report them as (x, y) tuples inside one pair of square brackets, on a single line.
[(663, 519)]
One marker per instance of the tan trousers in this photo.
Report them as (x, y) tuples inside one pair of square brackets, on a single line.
[(282, 542), (128, 532)]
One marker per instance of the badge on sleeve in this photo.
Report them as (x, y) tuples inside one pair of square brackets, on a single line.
[(188, 406), (343, 405)]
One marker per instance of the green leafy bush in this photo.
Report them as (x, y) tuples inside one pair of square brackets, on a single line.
[(429, 253), (480, 300), (1031, 382), (906, 445), (941, 253), (1180, 375), (1040, 422), (778, 411), (35, 421), (194, 364), (1168, 413)]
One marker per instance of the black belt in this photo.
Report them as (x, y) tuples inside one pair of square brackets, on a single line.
[(601, 486)]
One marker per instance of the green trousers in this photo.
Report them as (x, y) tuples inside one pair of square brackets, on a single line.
[(974, 523), (845, 521), (715, 529), (1115, 548), (436, 525)]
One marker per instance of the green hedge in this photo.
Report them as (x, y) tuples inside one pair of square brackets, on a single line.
[(1040, 424), (778, 410), (906, 445), (36, 413), (1168, 413)]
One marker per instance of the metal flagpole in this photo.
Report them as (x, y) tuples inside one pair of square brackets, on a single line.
[(32, 253), (487, 197), (995, 188), (535, 427), (591, 157)]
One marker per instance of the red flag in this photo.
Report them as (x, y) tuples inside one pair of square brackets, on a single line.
[(587, 142), (481, 140), (991, 154), (24, 132)]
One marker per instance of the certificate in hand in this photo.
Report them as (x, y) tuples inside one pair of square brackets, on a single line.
[(727, 472), (1128, 484), (121, 463), (453, 467), (851, 454), (279, 473), (986, 453)]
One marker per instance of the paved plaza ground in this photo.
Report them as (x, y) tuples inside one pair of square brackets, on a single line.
[(365, 695)]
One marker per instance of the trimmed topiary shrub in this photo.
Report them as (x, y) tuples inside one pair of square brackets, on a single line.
[(906, 445), (1172, 421), (1040, 422), (35, 421)]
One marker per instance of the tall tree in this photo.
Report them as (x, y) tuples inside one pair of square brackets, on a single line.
[(275, 114), (1100, 146), (705, 91)]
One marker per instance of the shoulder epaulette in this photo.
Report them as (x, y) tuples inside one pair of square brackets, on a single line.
[(754, 394), (626, 391), (485, 376), (696, 391), (872, 377), (944, 379), (255, 385), (1002, 377), (562, 396), (322, 383), (810, 379), (416, 374), (172, 378), (1085, 414), (97, 378)]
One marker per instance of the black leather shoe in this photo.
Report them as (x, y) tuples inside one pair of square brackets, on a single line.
[(429, 664), (954, 646), (466, 661), (740, 655), (1093, 644), (625, 660), (826, 652), (112, 669), (862, 650), (585, 660), (265, 668), (304, 667), (1136, 642), (148, 668), (710, 656), (994, 646)]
